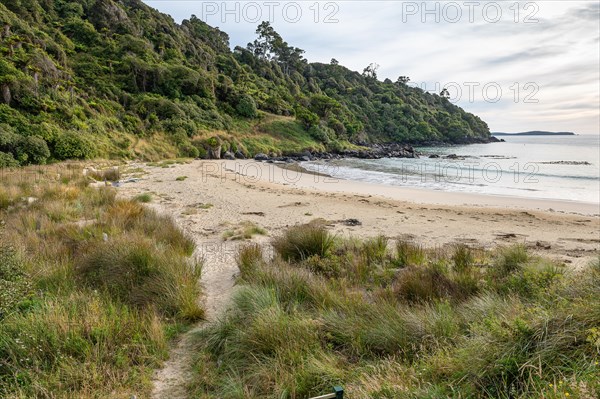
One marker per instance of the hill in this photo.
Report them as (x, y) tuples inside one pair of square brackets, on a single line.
[(118, 79)]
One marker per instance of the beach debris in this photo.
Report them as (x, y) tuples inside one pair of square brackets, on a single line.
[(254, 213), (506, 235), (352, 222), (543, 245)]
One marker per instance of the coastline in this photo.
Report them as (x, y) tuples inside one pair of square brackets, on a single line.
[(217, 196), (302, 178)]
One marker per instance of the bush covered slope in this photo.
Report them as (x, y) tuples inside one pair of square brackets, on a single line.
[(117, 78)]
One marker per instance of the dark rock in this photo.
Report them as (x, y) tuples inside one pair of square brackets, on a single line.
[(261, 157), (451, 156), (304, 159), (352, 222), (434, 156), (240, 155), (229, 155)]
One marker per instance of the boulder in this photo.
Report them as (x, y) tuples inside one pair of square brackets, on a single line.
[(229, 155), (240, 155), (214, 152), (261, 157)]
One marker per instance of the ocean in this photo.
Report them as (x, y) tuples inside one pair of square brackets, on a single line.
[(549, 167)]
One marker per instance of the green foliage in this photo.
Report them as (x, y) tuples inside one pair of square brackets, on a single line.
[(246, 106), (14, 283), (114, 69), (7, 160), (74, 145), (306, 117), (145, 198)]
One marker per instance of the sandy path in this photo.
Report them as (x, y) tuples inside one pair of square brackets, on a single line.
[(218, 286), (217, 196)]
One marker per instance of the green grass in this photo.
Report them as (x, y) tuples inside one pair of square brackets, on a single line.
[(301, 242), (243, 231), (144, 198), (419, 323), (181, 178), (91, 289)]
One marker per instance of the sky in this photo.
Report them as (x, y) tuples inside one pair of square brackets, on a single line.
[(519, 65)]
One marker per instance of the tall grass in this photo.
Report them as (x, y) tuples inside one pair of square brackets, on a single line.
[(411, 324), (91, 287), (301, 242)]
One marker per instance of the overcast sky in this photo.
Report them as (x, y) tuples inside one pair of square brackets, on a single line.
[(519, 65)]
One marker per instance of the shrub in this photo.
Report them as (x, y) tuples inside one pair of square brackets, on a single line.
[(301, 242), (73, 145), (32, 150), (7, 160), (246, 106), (189, 151)]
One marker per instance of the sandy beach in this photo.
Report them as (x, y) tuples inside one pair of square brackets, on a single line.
[(217, 195)]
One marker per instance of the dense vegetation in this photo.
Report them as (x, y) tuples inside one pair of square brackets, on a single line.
[(115, 78), (403, 322), (91, 287)]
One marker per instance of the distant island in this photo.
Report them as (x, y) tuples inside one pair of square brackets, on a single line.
[(535, 133)]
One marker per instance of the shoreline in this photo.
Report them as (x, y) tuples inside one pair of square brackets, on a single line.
[(325, 183)]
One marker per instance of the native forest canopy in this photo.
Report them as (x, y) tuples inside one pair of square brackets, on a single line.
[(118, 79)]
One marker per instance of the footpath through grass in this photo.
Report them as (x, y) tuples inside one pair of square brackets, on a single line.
[(91, 288), (403, 322)]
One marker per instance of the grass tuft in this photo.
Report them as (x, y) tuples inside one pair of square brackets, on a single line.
[(144, 198), (301, 242)]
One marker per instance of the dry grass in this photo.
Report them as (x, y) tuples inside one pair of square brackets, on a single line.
[(92, 288)]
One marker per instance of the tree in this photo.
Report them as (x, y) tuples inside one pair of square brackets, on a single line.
[(402, 80), (334, 62), (323, 105), (371, 71), (445, 93), (306, 117), (270, 46)]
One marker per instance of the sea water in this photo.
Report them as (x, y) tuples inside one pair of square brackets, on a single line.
[(550, 167)]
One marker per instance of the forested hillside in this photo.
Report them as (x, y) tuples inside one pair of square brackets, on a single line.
[(115, 78)]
